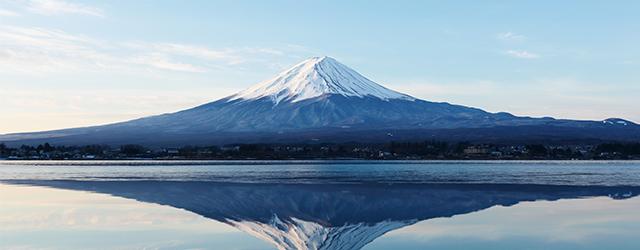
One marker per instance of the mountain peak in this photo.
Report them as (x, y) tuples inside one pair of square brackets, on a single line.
[(315, 77), (320, 58)]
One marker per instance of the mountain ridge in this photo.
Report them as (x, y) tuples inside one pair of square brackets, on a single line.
[(322, 98)]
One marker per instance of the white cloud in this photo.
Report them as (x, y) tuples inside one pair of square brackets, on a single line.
[(229, 56), (196, 51), (8, 13), (522, 54), (37, 50), (162, 61), (510, 36), (58, 7), (627, 62), (44, 50), (268, 51)]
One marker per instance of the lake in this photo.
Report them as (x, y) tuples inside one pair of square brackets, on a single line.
[(319, 205)]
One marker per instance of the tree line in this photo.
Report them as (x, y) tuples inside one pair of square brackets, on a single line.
[(391, 150)]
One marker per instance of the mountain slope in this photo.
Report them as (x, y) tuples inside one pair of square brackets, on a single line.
[(321, 98), (316, 77)]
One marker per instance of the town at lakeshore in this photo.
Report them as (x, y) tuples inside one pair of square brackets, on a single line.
[(428, 150)]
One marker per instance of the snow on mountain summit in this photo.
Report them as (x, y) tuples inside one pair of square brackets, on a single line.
[(315, 77)]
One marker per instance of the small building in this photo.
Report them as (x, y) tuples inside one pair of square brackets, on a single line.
[(171, 151), (230, 148), (474, 150)]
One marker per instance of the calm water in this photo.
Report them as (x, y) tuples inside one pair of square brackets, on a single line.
[(319, 205)]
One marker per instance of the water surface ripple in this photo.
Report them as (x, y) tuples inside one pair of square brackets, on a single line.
[(602, 173)]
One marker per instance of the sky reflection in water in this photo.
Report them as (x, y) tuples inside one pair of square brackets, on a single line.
[(47, 218), (593, 223)]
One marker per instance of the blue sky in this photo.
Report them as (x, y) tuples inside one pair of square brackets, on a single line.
[(67, 63)]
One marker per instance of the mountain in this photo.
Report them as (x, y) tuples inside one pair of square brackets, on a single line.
[(323, 100), (316, 77)]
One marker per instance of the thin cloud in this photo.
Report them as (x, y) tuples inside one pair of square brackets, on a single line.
[(555, 97), (522, 54), (8, 13), (185, 50), (39, 50), (228, 56), (30, 49), (161, 61), (627, 62), (59, 7), (510, 36)]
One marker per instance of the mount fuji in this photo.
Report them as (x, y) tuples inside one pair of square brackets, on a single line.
[(323, 100)]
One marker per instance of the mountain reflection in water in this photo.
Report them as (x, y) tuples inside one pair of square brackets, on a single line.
[(330, 216)]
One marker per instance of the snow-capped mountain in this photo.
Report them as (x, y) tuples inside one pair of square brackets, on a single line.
[(321, 99), (316, 77)]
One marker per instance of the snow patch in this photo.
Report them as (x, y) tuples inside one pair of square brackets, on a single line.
[(316, 77), (616, 121), (307, 235)]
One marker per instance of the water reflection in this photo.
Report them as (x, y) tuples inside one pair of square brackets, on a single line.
[(330, 216), (45, 218), (591, 223)]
